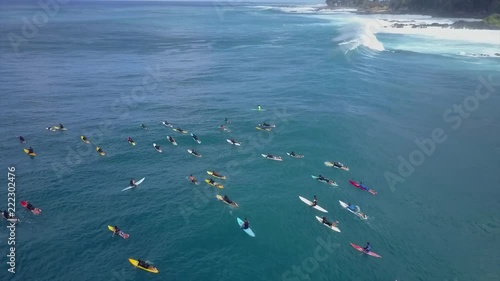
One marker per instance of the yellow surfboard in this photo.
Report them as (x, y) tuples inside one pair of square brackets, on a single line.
[(213, 184), (84, 139), (136, 264), (27, 151), (101, 153)]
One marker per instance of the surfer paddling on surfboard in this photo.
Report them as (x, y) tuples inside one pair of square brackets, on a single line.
[(315, 201), (132, 182), (192, 179), (246, 224), (367, 248), (325, 221)]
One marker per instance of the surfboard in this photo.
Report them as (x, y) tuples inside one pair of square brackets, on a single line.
[(27, 151), (370, 253), (359, 214), (334, 228), (171, 141), (236, 143), (234, 204), (310, 204), (248, 230), (191, 152), (121, 233), (159, 150), (136, 184), (85, 140)]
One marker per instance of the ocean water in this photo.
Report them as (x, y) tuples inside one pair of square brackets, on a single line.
[(335, 92)]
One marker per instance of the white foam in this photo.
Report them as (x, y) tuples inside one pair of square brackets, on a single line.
[(362, 30)]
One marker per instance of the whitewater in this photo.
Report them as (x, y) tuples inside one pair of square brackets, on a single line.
[(367, 31)]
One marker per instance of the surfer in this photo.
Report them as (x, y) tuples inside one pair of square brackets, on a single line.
[(195, 137), (325, 221), (6, 215), (157, 147), (227, 199), (143, 264), (352, 207), (129, 139), (144, 126), (266, 125), (321, 178), (258, 107), (132, 182), (84, 138), (21, 139), (367, 248), (211, 181), (246, 224), (30, 150), (315, 201), (292, 154), (362, 186), (171, 139), (227, 121), (61, 126), (192, 179), (100, 150), (117, 230), (195, 153), (338, 164), (29, 206)]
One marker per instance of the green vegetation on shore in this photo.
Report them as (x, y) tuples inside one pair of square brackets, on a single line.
[(459, 8), (493, 19)]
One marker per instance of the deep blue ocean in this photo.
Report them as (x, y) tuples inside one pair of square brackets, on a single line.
[(419, 127)]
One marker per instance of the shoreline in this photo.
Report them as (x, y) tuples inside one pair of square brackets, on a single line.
[(476, 23)]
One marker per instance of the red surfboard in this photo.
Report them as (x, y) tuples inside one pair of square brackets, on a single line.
[(35, 211), (370, 253), (358, 186)]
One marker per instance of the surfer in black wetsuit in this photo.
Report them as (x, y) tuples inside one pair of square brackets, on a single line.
[(21, 139), (132, 182), (143, 264), (246, 224), (30, 150), (227, 199), (315, 201)]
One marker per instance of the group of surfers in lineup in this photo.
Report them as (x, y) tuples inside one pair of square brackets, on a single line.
[(246, 224)]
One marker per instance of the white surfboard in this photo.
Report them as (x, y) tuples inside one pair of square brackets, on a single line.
[(167, 124), (159, 150), (274, 158), (236, 143), (334, 228), (173, 140), (191, 152), (359, 214), (310, 204), (136, 184)]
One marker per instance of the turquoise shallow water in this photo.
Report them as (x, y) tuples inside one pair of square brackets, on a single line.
[(103, 69)]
